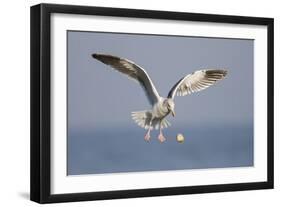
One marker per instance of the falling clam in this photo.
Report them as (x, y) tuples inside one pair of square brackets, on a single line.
[(180, 138)]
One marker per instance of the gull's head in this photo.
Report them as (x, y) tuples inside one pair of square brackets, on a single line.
[(169, 103)]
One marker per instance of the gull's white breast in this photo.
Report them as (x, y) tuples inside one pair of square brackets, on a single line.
[(159, 110)]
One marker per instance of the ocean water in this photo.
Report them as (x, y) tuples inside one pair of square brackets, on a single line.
[(120, 149)]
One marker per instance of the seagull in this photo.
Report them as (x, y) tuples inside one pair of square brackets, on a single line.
[(161, 107)]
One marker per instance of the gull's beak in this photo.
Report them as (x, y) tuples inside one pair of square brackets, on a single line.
[(173, 113)]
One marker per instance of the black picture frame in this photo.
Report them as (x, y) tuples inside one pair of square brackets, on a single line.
[(40, 184)]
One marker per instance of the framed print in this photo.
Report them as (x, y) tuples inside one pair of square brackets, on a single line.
[(133, 103)]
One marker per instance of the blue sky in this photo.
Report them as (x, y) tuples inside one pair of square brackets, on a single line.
[(100, 99)]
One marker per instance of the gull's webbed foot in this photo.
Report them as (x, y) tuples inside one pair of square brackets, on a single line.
[(161, 138), (147, 136)]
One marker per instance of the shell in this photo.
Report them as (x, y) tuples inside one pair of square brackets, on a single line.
[(180, 138)]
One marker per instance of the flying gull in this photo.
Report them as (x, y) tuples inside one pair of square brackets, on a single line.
[(155, 118)]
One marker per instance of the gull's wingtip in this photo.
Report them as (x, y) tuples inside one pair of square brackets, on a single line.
[(95, 55), (222, 72), (105, 58)]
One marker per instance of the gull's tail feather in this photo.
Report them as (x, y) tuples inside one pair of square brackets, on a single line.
[(142, 118)]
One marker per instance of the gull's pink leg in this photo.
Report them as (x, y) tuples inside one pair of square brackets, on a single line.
[(147, 135), (161, 137)]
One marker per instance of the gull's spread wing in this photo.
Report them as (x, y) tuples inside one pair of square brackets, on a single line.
[(132, 71), (196, 81)]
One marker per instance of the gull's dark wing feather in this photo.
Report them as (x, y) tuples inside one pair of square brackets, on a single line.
[(132, 71), (196, 81)]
